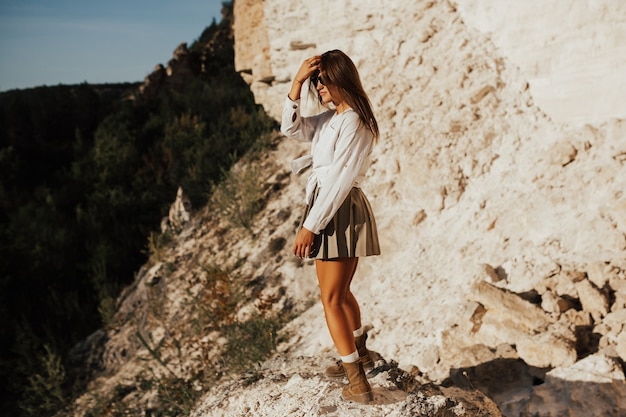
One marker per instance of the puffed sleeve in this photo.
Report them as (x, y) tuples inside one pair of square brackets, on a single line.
[(352, 150)]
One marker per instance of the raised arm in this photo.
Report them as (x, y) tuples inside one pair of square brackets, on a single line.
[(308, 67)]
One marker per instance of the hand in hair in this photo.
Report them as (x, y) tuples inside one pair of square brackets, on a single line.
[(308, 67)]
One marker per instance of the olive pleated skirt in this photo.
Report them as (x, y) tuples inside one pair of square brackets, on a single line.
[(352, 231)]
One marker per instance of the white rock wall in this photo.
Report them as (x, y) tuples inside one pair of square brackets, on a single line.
[(573, 53), (503, 144)]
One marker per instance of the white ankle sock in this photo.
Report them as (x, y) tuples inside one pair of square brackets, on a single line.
[(351, 358), (358, 332)]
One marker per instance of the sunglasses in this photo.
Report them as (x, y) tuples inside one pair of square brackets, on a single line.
[(318, 78)]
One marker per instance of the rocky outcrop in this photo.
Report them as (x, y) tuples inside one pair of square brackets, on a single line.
[(299, 390), (183, 66), (179, 214), (252, 46)]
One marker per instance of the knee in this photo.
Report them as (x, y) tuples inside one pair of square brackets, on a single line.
[(333, 299)]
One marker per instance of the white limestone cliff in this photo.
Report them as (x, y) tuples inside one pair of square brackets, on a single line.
[(502, 159)]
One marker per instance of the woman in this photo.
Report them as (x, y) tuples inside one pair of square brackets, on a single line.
[(338, 226)]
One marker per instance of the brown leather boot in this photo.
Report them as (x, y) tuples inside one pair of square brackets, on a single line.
[(337, 371), (358, 389)]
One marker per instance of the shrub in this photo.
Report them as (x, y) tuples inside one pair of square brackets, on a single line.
[(250, 342), (217, 302), (238, 198), (43, 393), (156, 245)]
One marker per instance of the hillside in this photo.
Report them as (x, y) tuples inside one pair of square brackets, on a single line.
[(502, 284), (87, 173)]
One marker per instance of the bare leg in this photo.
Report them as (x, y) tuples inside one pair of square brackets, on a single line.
[(351, 307), (340, 307)]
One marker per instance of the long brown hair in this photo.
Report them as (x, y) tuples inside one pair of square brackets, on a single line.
[(341, 72)]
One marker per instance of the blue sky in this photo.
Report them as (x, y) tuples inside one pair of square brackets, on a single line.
[(51, 42)]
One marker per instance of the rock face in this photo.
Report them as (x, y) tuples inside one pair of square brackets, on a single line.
[(183, 64), (179, 214), (498, 182), (572, 54)]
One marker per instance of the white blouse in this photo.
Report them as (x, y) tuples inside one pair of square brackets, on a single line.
[(340, 155)]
